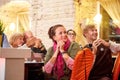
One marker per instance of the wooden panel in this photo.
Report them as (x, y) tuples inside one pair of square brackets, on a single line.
[(14, 53)]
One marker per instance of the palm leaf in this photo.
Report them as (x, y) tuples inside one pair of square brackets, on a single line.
[(2, 28)]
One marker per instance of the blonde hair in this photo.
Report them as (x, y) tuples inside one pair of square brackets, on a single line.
[(87, 27), (14, 37)]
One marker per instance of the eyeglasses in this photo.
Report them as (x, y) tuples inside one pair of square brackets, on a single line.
[(71, 34)]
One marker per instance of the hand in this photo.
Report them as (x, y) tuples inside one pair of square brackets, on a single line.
[(38, 43), (104, 43), (61, 45), (95, 44)]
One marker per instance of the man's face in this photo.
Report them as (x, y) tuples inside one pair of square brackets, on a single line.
[(91, 34)]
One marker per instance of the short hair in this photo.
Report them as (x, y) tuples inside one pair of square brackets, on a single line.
[(27, 34), (87, 27), (14, 37)]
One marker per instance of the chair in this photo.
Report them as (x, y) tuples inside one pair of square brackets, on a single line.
[(116, 68), (82, 65)]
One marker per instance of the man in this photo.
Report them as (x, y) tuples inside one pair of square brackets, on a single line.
[(37, 47), (101, 67)]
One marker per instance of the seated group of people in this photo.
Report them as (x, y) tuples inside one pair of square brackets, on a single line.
[(66, 60), (26, 40)]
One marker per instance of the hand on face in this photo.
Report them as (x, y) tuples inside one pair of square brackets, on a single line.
[(60, 45)]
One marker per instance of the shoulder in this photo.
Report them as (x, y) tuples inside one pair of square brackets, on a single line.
[(51, 48), (74, 45)]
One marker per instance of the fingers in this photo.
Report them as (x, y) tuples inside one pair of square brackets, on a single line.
[(97, 42), (61, 44), (105, 43)]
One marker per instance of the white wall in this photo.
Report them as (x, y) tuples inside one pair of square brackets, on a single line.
[(2, 69), (46, 13)]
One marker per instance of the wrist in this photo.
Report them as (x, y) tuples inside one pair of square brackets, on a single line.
[(64, 52), (65, 56)]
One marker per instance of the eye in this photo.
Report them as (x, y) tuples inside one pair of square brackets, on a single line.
[(65, 32)]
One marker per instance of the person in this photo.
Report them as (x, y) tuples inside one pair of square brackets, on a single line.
[(27, 34), (16, 40), (71, 35), (37, 47), (60, 57), (5, 43), (115, 48), (97, 59)]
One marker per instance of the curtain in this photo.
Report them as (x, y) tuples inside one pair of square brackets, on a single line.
[(16, 12), (77, 27), (112, 8), (24, 21)]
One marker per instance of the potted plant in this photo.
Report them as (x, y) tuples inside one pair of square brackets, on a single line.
[(2, 28)]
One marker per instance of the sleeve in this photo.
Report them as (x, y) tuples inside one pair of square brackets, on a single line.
[(48, 67), (48, 55), (74, 48), (5, 43), (114, 47), (70, 63)]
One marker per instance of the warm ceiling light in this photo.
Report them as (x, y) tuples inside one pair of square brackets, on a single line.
[(12, 26)]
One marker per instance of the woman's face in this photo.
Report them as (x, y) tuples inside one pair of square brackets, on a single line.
[(19, 41), (60, 34), (71, 36)]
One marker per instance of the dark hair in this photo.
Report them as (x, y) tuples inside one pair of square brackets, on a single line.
[(72, 31), (51, 31)]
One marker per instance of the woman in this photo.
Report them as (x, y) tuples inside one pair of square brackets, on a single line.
[(16, 40), (60, 57), (71, 35)]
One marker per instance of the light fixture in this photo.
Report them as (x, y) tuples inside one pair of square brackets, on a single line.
[(98, 16), (97, 19), (12, 27)]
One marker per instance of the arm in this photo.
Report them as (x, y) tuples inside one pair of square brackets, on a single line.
[(70, 55), (50, 60), (68, 60), (114, 47)]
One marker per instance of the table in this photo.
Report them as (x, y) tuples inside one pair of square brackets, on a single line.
[(33, 71)]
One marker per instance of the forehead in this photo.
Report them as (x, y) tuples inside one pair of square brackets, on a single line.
[(90, 30), (94, 28), (70, 32), (61, 28)]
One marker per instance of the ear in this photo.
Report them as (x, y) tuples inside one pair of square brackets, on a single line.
[(54, 37), (84, 34)]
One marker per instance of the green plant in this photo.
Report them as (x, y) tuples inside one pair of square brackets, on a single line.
[(2, 28)]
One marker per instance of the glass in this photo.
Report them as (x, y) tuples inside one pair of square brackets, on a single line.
[(71, 34)]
